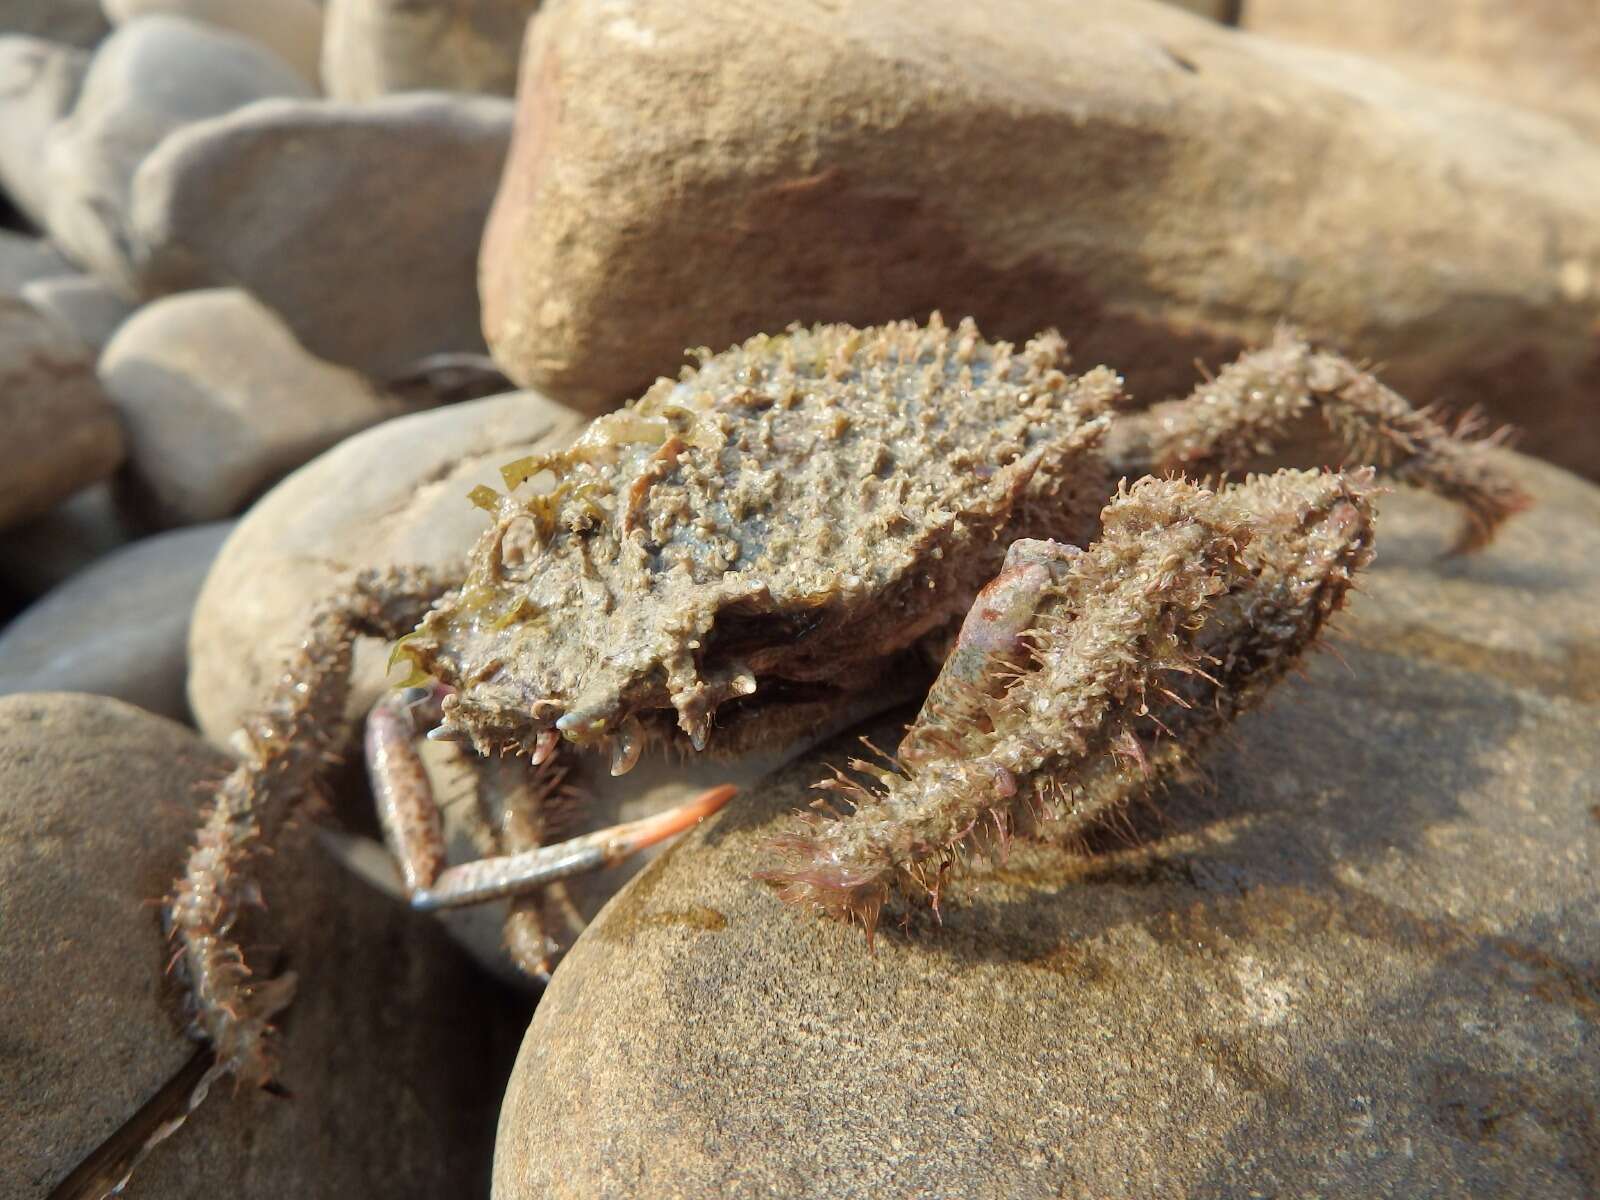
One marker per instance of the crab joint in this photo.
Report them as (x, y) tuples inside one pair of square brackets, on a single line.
[(510, 875)]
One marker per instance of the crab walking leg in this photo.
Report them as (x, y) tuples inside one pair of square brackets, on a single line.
[(285, 749), (1182, 580), (1252, 404), (514, 874)]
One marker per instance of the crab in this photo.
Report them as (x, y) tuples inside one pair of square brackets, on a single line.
[(809, 519)]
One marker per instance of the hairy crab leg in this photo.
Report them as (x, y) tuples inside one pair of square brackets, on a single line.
[(1189, 607), (1251, 405), (514, 874), (285, 749)]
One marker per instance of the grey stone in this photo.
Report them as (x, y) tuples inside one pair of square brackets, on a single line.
[(151, 76), (291, 29), (40, 553), (1158, 186), (61, 434), (119, 628), (374, 47), (88, 308), (39, 82), (388, 199), (393, 1048), (24, 259), (1357, 958), (218, 400), (79, 22), (393, 495)]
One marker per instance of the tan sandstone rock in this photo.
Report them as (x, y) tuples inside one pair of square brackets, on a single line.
[(1356, 959), (1158, 186)]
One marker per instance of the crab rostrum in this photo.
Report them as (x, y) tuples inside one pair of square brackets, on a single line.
[(790, 524)]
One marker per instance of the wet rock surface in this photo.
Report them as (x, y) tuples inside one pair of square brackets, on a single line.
[(393, 495), (393, 1048), (390, 197), (218, 400), (374, 47), (1359, 958), (119, 628), (61, 433), (1156, 185)]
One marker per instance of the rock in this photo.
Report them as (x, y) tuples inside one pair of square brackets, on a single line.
[(374, 47), (1157, 186), (39, 83), (1539, 55), (37, 555), (291, 29), (395, 494), (24, 259), (218, 400), (1226, 11), (88, 308), (120, 628), (60, 432), (392, 1048), (79, 22), (148, 78), (1360, 962), (388, 198)]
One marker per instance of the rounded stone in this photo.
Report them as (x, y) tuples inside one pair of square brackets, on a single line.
[(218, 400), (88, 308), (357, 223), (374, 47), (119, 628), (61, 433), (39, 83), (1356, 959), (392, 1050), (291, 29)]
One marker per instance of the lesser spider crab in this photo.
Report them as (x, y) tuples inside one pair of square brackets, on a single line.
[(790, 523)]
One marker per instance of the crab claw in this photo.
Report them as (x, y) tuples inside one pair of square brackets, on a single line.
[(513, 874)]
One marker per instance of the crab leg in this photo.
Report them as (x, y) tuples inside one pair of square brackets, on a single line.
[(514, 874), (1189, 607), (1253, 404)]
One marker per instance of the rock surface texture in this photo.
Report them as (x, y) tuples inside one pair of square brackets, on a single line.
[(1540, 54), (148, 78), (394, 495), (60, 433), (291, 29), (120, 628), (389, 198), (393, 1048), (219, 400), (1359, 959), (374, 47), (1157, 186)]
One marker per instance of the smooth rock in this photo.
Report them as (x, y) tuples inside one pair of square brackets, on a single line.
[(291, 29), (374, 47), (88, 308), (393, 495), (218, 400), (151, 76), (387, 199), (24, 259), (39, 82), (393, 1049), (61, 434), (78, 22), (119, 628), (1159, 187), (1540, 54), (1358, 960), (38, 554)]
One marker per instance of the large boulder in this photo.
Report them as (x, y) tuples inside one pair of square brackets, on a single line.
[(1358, 958), (374, 47), (392, 1051), (1158, 186), (357, 223)]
